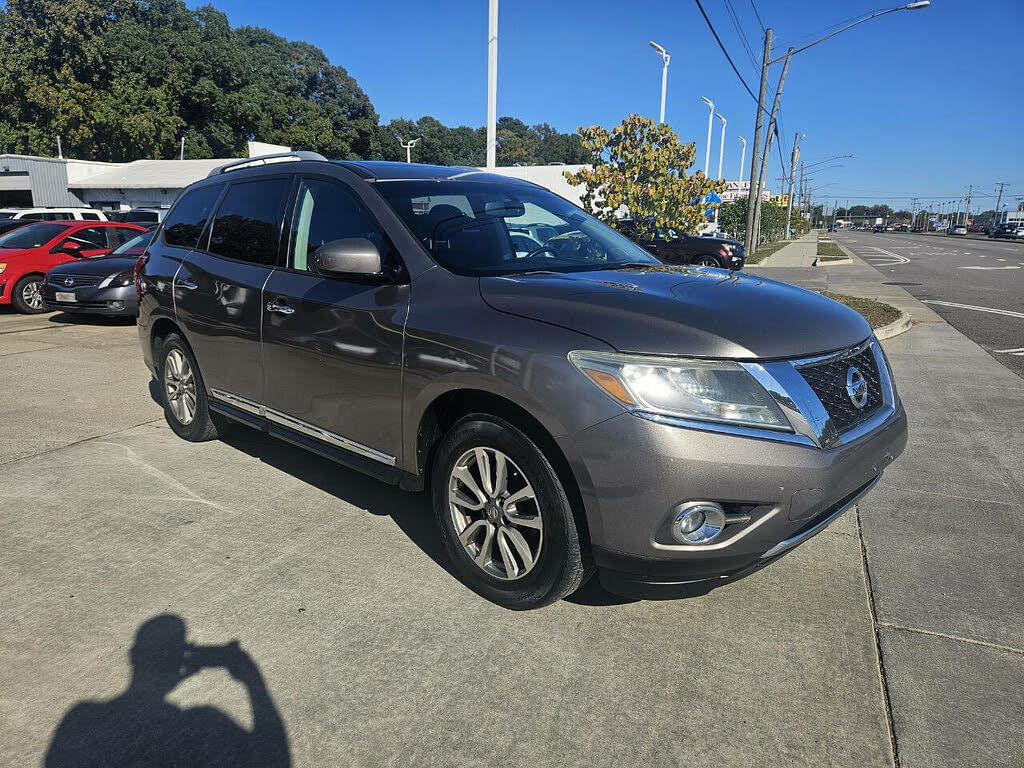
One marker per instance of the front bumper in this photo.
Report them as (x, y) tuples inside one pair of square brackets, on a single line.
[(120, 301), (639, 470)]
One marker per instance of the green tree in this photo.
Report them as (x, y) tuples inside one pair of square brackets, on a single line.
[(641, 166)]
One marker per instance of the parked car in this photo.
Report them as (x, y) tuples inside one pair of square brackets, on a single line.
[(1011, 230), (6, 225), (101, 285), (570, 406), (144, 216), (673, 247), (878, 228), (53, 214), (29, 252), (957, 229)]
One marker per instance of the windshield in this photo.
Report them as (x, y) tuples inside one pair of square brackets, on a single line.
[(135, 244), (31, 235), (495, 228)]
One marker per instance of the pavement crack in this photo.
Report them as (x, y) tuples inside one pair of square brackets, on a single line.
[(883, 681), (955, 638), (958, 498), (27, 456)]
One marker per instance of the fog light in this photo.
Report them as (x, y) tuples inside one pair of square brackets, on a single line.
[(698, 522), (117, 305)]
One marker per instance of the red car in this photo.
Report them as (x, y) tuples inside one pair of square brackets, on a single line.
[(29, 252)]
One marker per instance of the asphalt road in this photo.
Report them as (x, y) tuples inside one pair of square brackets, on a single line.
[(984, 277)]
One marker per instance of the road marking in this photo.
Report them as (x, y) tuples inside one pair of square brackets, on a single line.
[(990, 310), (1000, 259), (989, 269), (1018, 352), (982, 257), (890, 259)]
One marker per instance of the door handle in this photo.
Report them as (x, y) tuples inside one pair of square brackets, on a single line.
[(188, 285), (281, 309)]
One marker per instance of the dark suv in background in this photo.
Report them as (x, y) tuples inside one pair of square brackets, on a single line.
[(671, 247), (570, 402)]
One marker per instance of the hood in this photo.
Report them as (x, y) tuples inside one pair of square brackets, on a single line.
[(697, 312), (98, 265)]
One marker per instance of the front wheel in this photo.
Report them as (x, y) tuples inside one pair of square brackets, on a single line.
[(707, 261), (504, 516), (27, 295)]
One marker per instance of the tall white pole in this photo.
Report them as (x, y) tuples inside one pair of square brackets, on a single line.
[(664, 83), (721, 156), (492, 83), (711, 118), (743, 157)]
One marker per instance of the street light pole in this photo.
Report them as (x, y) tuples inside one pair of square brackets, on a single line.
[(721, 155), (492, 83), (793, 160), (743, 156), (408, 145), (664, 75), (711, 118)]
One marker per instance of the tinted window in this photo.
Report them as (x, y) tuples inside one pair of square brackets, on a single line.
[(249, 220), (145, 216), (6, 215), (90, 238), (135, 244), (31, 235), (88, 216), (327, 211), (186, 221), (119, 235), (479, 228)]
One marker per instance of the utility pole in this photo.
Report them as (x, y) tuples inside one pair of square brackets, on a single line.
[(967, 208), (913, 212), (772, 130), (999, 199), (751, 239), (492, 82), (793, 160)]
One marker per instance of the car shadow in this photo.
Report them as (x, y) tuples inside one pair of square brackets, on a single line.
[(411, 512), (141, 727), (74, 318)]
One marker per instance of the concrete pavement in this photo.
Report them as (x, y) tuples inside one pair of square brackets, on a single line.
[(371, 653), (942, 540), (799, 253)]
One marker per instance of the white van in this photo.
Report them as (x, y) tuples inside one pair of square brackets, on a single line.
[(53, 214)]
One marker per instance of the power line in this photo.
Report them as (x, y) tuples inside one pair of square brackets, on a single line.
[(722, 46), (758, 15), (739, 31)]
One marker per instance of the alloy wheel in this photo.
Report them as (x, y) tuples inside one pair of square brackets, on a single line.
[(495, 513), (707, 261), (180, 386), (32, 296)]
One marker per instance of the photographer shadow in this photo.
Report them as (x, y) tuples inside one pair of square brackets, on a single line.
[(140, 727)]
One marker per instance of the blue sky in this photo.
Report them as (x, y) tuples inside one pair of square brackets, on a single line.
[(929, 101)]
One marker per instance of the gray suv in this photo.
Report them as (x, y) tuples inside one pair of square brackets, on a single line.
[(570, 403)]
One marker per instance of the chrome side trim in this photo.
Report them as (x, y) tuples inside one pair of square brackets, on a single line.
[(791, 542), (311, 430), (328, 437), (238, 401)]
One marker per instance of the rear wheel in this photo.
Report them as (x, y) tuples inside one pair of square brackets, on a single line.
[(504, 515), (186, 406), (27, 295)]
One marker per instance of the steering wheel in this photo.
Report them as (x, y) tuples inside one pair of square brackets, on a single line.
[(541, 249)]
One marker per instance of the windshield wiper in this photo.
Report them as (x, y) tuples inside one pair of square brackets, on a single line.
[(629, 265)]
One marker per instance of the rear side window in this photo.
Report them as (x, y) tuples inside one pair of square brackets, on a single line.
[(86, 216), (248, 222), (187, 219)]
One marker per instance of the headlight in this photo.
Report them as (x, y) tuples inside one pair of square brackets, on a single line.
[(120, 280), (704, 390), (3, 266)]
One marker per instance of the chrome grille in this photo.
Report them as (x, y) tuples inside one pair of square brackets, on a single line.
[(79, 280), (828, 380)]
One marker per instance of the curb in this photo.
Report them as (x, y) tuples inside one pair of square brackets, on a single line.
[(902, 324), (832, 262)]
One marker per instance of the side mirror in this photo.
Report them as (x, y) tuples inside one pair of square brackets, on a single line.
[(70, 247), (348, 257)]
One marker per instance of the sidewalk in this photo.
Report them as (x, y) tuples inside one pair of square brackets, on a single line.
[(942, 538), (799, 253)]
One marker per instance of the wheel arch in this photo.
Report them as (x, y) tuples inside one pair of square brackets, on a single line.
[(449, 407)]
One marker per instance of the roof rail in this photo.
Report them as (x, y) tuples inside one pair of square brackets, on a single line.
[(279, 157)]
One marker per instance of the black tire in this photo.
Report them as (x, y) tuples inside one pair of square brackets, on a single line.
[(707, 261), (559, 568), (18, 295), (203, 425)]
